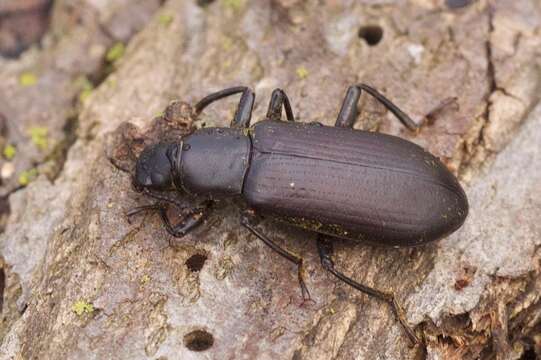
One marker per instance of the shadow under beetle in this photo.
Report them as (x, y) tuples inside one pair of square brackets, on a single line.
[(336, 181)]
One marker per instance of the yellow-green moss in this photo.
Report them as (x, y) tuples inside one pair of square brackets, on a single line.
[(27, 176), (86, 87), (302, 72), (38, 135), (165, 19), (9, 152), (234, 5), (145, 279), (28, 78), (82, 307), (115, 52)]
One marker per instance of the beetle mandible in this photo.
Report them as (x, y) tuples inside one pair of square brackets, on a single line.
[(339, 182)]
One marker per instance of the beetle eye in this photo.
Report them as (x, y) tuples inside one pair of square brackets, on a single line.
[(153, 169)]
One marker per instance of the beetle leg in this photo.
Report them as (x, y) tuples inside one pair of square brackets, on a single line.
[(139, 209), (243, 114), (195, 217), (163, 198), (247, 220), (348, 112), (325, 248), (278, 100)]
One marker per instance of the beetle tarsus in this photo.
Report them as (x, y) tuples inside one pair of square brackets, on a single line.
[(401, 316), (306, 298), (248, 221), (325, 248)]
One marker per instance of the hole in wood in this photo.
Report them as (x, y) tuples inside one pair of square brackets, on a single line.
[(372, 34), (198, 340), (195, 262)]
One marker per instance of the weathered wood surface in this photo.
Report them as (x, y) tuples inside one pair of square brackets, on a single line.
[(81, 282)]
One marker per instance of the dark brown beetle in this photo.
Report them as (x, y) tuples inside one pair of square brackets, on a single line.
[(339, 182)]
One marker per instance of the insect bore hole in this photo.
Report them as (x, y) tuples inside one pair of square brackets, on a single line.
[(198, 340), (204, 3), (372, 34), (195, 262)]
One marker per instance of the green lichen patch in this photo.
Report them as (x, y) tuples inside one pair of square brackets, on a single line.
[(86, 87), (27, 176), (145, 279), (39, 137), (9, 152), (302, 72), (234, 5), (82, 307), (115, 52), (28, 78), (165, 19)]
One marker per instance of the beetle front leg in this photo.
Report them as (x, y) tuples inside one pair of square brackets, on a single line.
[(195, 217), (243, 114), (325, 249), (248, 221), (278, 100), (140, 209)]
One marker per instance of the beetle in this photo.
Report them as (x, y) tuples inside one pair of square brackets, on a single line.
[(339, 182)]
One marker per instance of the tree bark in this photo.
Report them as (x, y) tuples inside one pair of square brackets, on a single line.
[(83, 282)]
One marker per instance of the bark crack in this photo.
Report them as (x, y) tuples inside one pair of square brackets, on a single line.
[(479, 149), (491, 74)]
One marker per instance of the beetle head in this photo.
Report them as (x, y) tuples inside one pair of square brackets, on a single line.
[(153, 170)]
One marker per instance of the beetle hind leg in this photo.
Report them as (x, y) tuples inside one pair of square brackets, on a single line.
[(248, 221), (325, 249)]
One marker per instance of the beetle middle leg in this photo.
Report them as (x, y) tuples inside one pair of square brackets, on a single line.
[(248, 221), (348, 111), (325, 249), (278, 100)]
